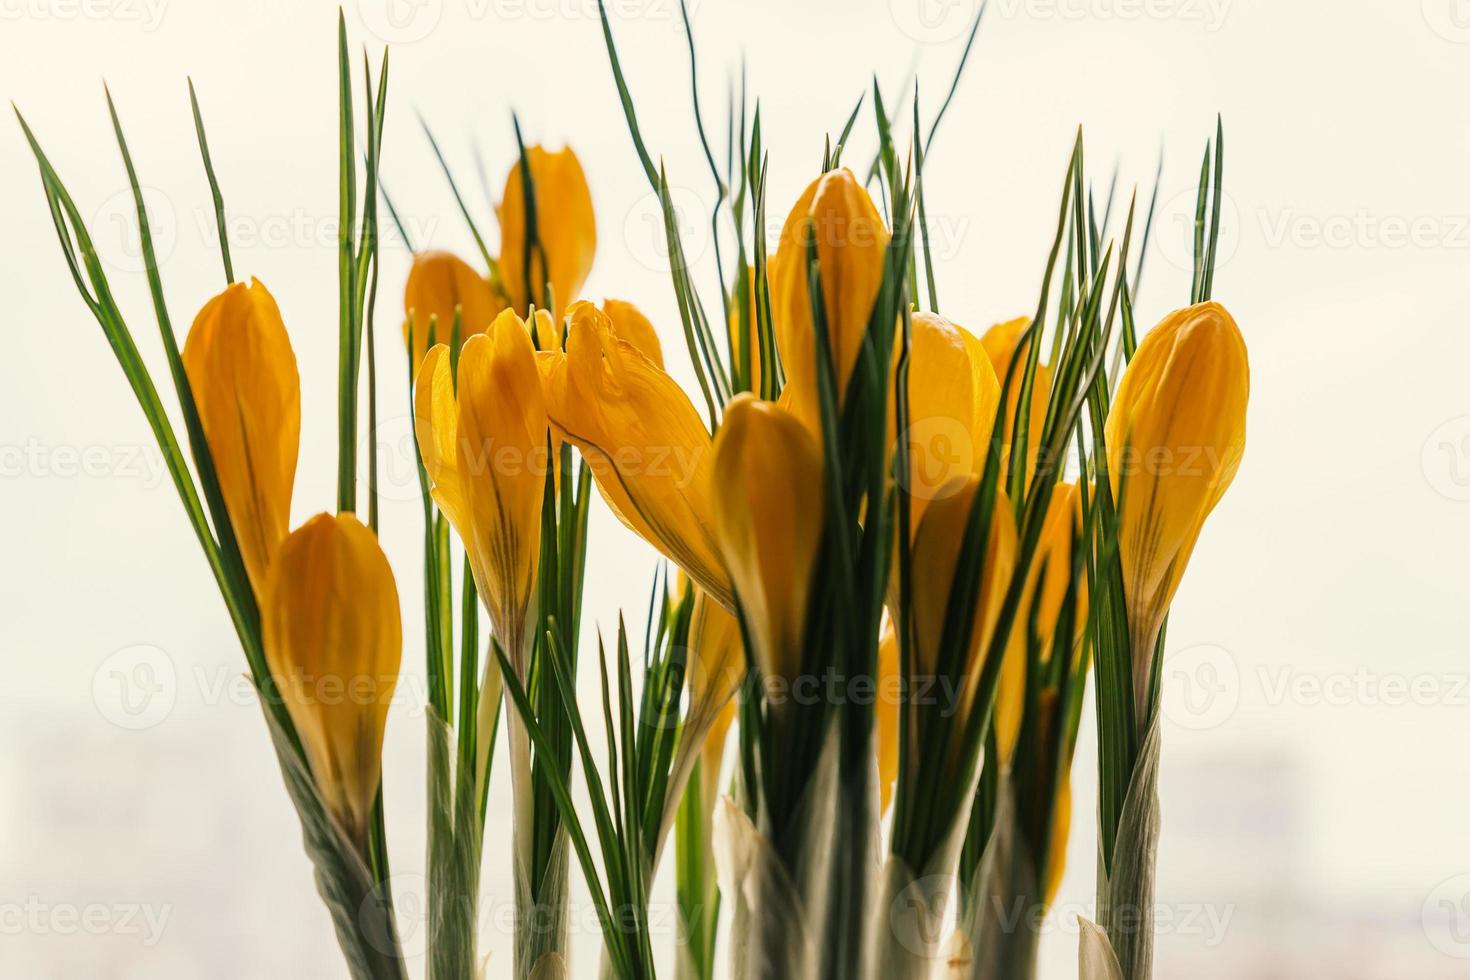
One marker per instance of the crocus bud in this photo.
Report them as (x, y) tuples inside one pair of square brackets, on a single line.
[(935, 559), (647, 447), (333, 640), (440, 283), (835, 213), (1175, 436), (484, 450), (885, 716), (566, 232), (243, 375), (717, 666), (769, 507)]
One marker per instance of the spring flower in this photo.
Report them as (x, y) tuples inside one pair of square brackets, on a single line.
[(851, 242), (769, 506), (953, 394), (1000, 344), (484, 448), (438, 284), (243, 374), (333, 640), (1175, 436), (936, 556), (565, 228), (648, 449), (749, 337)]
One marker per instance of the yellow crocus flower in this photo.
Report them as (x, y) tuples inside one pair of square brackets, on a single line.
[(333, 640), (565, 226), (769, 507), (953, 394), (242, 371), (644, 441), (1000, 345), (1175, 436), (936, 555), (438, 284), (837, 214), (484, 449)]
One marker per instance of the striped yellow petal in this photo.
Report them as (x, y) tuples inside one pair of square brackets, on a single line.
[(835, 213), (439, 283), (1051, 567), (769, 507), (1175, 435), (484, 449), (243, 374), (333, 640), (565, 228), (644, 441)]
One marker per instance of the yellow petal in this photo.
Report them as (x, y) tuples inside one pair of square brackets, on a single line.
[(438, 284), (565, 227), (769, 507), (644, 441), (1061, 829), (886, 711), (333, 640), (1175, 435), (1000, 345), (952, 399), (243, 373), (936, 554), (484, 448), (1051, 567), (635, 328), (850, 243), (716, 669)]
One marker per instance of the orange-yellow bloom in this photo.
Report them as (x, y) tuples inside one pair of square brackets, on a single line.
[(1175, 436), (749, 337), (953, 394), (936, 555), (769, 507), (565, 228), (648, 449), (438, 284), (837, 214), (243, 374), (484, 449), (886, 716), (333, 640), (1000, 344), (716, 669)]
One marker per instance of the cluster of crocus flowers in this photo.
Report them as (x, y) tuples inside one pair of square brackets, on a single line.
[(328, 604), (1175, 437), (560, 244)]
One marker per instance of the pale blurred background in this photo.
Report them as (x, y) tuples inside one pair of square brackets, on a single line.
[(1315, 787)]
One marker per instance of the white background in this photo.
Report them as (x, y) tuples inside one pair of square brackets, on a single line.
[(1315, 782)]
